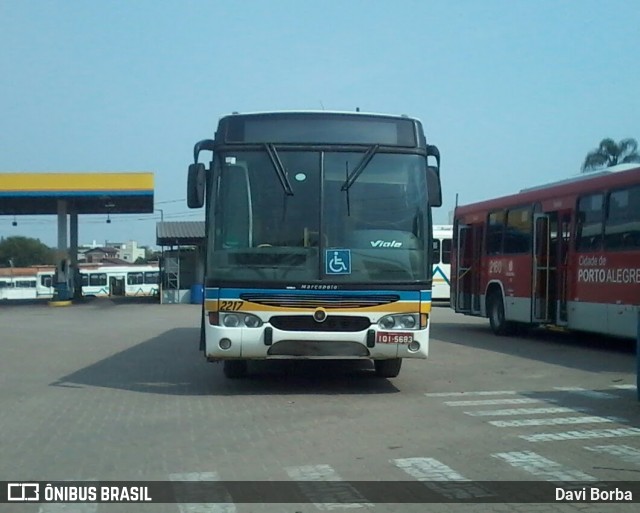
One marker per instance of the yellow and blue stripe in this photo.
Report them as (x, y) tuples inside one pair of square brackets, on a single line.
[(303, 300), (75, 184)]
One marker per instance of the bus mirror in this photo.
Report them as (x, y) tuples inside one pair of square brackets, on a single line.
[(195, 186), (433, 185)]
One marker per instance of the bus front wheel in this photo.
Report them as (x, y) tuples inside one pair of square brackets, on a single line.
[(234, 369), (497, 320), (388, 368)]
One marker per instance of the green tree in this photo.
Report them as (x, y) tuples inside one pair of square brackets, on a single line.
[(18, 251), (609, 153)]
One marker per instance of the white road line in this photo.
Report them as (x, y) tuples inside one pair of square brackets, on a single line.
[(593, 394), (582, 435), (225, 506), (471, 393), (348, 496), (524, 411), (68, 508), (490, 402), (554, 421), (542, 467), (624, 452), (625, 387), (433, 473)]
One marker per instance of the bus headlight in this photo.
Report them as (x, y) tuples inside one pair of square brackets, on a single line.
[(234, 320), (387, 322), (252, 321), (230, 320), (408, 322), (399, 322)]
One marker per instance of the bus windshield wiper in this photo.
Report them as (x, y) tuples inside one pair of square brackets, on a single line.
[(280, 169), (360, 167)]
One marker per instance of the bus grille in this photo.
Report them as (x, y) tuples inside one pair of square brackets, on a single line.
[(331, 323), (319, 300)]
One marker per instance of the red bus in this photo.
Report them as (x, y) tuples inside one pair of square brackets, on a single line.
[(563, 255)]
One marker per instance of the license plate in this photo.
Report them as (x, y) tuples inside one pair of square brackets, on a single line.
[(394, 337)]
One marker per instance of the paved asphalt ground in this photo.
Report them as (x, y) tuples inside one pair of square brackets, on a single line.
[(115, 391)]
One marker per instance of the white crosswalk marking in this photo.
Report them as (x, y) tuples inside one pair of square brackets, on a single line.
[(224, 506), (491, 402), (593, 394), (433, 472), (582, 435), (625, 387), (624, 452), (524, 411), (471, 393), (542, 467), (68, 508), (560, 421), (348, 496)]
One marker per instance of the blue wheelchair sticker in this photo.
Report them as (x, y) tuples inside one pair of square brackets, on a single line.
[(337, 261)]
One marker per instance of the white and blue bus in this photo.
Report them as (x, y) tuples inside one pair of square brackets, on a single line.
[(108, 280), (442, 240), (319, 236)]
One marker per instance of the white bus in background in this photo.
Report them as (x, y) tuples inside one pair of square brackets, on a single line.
[(123, 280), (17, 287), (442, 240)]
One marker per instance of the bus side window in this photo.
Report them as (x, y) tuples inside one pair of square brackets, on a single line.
[(622, 228), (446, 251), (589, 226)]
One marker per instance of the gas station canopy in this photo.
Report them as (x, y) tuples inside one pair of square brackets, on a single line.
[(83, 193)]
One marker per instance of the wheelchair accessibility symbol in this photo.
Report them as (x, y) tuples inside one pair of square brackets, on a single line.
[(338, 261)]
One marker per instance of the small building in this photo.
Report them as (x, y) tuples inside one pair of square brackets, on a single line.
[(183, 254), (97, 255), (128, 251)]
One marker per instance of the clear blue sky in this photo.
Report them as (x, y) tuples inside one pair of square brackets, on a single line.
[(513, 92)]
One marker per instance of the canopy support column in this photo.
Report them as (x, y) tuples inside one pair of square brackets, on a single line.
[(62, 282)]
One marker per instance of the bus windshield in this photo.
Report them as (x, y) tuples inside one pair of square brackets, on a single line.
[(262, 232)]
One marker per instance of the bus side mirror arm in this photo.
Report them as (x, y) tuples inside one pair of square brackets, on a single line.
[(206, 144), (433, 151)]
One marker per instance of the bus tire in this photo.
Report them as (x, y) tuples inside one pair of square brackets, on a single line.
[(388, 368), (497, 320), (234, 369)]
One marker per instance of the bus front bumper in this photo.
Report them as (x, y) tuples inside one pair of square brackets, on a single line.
[(267, 342)]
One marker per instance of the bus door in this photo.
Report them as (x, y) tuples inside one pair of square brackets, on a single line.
[(562, 255), (542, 268), (116, 286), (468, 253)]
